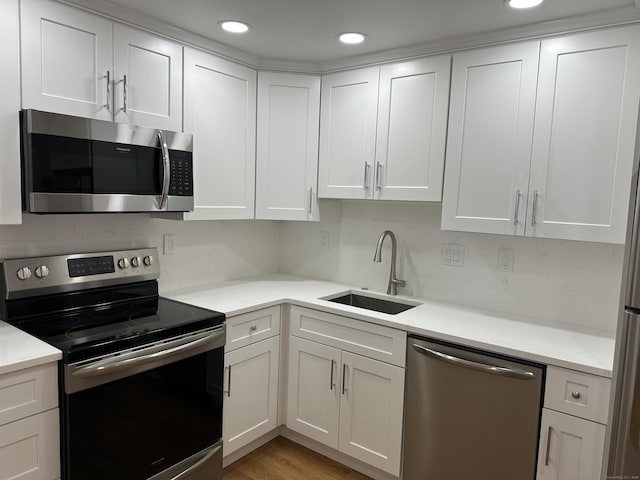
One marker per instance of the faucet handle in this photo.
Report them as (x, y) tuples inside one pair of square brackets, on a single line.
[(398, 282)]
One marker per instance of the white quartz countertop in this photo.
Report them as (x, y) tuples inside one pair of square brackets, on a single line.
[(20, 350), (518, 336)]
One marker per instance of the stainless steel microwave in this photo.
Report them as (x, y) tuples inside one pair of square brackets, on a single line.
[(79, 165)]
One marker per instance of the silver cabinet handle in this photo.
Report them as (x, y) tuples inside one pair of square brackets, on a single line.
[(228, 390), (480, 367), (548, 450), (108, 104), (534, 209), (517, 208), (148, 355), (124, 93), (331, 382), (575, 394), (344, 377), (253, 328), (166, 177), (310, 200), (366, 176), (207, 456), (378, 175)]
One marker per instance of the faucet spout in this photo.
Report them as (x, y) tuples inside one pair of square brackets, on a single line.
[(394, 283)]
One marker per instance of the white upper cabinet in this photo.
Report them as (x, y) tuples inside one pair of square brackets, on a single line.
[(412, 130), (81, 64), (493, 95), (10, 200), (147, 79), (584, 136), (220, 111), (559, 170), (287, 147), (349, 103), (67, 60)]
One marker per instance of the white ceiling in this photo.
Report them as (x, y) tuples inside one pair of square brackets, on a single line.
[(305, 30)]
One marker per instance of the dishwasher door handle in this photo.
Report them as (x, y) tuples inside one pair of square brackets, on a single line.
[(480, 367)]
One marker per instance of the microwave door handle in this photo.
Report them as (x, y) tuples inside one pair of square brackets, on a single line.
[(166, 178)]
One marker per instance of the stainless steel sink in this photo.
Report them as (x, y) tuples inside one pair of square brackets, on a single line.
[(372, 302)]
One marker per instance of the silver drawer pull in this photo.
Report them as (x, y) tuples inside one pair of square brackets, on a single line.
[(575, 394), (253, 328), (548, 450)]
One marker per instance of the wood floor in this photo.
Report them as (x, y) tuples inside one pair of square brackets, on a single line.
[(282, 459)]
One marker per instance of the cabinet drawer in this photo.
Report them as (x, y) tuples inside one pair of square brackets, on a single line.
[(30, 448), (27, 392), (577, 393), (368, 339), (252, 327)]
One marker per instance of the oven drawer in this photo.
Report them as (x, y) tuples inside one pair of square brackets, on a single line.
[(27, 392), (577, 393), (252, 327)]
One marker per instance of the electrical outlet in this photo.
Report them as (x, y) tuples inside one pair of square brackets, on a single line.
[(168, 243), (506, 257), (453, 254)]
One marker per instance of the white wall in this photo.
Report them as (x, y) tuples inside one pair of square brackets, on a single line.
[(575, 283), (205, 252)]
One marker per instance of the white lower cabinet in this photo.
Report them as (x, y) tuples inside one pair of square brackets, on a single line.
[(571, 448), (572, 431), (30, 448), (346, 401), (252, 362), (29, 424)]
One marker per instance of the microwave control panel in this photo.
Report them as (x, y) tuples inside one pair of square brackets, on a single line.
[(181, 174)]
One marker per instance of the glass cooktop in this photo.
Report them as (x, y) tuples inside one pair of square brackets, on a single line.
[(100, 330)]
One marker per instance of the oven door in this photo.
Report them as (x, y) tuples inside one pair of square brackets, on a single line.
[(152, 412)]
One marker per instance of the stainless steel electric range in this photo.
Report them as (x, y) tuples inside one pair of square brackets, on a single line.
[(141, 376)]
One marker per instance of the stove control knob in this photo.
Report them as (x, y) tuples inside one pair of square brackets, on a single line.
[(135, 262), (148, 260), (24, 273), (42, 271), (123, 263)]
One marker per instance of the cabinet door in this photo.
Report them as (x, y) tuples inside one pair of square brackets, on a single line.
[(67, 61), (251, 395), (220, 111), (493, 93), (586, 116), (148, 79), (412, 129), (571, 448), (10, 200), (287, 147), (30, 448), (371, 409), (314, 390), (349, 102)]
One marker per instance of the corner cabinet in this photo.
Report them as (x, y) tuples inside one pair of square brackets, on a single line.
[(252, 360), (383, 131), (287, 147), (541, 137), (346, 386), (573, 427), (10, 199), (81, 64), (220, 111)]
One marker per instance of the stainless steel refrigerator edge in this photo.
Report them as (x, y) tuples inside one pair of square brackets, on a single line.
[(624, 419)]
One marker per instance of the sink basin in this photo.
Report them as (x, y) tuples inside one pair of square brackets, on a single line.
[(372, 302)]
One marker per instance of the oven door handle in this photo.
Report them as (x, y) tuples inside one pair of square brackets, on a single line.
[(154, 353)]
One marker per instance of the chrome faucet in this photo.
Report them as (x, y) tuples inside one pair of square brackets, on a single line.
[(394, 283)]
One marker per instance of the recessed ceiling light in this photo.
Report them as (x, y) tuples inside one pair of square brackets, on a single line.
[(523, 3), (233, 26), (352, 38)]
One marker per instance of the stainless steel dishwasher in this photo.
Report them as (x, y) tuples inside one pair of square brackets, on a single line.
[(469, 414)]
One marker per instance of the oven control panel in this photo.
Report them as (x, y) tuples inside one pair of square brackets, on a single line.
[(54, 274)]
